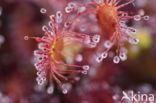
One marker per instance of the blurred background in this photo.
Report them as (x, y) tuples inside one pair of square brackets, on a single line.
[(104, 82)]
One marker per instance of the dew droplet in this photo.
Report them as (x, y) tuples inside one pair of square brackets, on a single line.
[(85, 67), (59, 17), (96, 38), (124, 14), (26, 38), (44, 28), (52, 17), (107, 44), (133, 41), (50, 90), (132, 30), (64, 91), (79, 58), (67, 24), (37, 52), (50, 24), (66, 87), (42, 46), (58, 14), (40, 82), (137, 17), (146, 17), (115, 97), (123, 56), (68, 9), (92, 45), (116, 59), (43, 10), (81, 9), (71, 4), (84, 72), (104, 55), (99, 59)]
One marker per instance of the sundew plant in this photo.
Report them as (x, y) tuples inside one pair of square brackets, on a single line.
[(77, 51), (50, 56)]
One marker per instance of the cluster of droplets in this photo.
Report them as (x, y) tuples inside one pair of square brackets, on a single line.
[(116, 59), (96, 38), (44, 60), (123, 32), (70, 7), (41, 62), (127, 35), (92, 41), (101, 57)]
